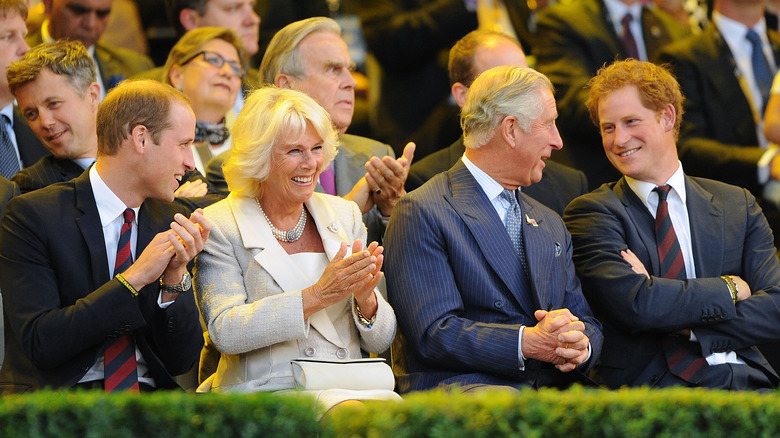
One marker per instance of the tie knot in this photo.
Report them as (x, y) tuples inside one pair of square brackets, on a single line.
[(509, 196), (753, 37), (129, 215), (627, 19), (663, 191)]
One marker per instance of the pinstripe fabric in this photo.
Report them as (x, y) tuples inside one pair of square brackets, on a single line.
[(455, 283), (48, 170)]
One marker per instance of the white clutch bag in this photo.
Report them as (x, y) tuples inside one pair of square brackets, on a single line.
[(352, 374)]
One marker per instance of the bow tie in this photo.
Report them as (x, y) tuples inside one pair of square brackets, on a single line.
[(214, 133)]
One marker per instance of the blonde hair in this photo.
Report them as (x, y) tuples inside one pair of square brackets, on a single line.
[(272, 115), (192, 43), (500, 92)]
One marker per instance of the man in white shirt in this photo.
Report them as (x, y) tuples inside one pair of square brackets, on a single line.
[(681, 271)]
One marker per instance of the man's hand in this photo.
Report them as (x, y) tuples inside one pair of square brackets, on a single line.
[(386, 178), (558, 338), (636, 264), (192, 189), (744, 288), (169, 251)]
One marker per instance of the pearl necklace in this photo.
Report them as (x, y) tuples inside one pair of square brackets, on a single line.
[(290, 235)]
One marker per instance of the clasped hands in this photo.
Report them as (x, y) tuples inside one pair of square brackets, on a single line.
[(169, 251), (559, 338), (383, 183), (355, 274)]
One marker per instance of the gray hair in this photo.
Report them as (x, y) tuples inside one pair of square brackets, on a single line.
[(500, 92), (272, 115), (282, 55)]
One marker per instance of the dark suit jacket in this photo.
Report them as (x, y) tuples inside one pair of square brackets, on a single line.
[(48, 170), (62, 307), (116, 63), (729, 236), (574, 40), (8, 189), (455, 283), (30, 148), (558, 186), (718, 133), (354, 152)]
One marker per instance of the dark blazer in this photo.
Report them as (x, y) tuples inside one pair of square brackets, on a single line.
[(558, 186), (573, 40), (116, 63), (354, 152), (30, 148), (718, 132), (48, 170), (456, 285), (729, 236), (8, 189), (62, 307)]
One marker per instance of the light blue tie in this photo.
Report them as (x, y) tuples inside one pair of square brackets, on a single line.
[(761, 70), (514, 226)]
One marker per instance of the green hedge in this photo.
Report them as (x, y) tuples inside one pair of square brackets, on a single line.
[(547, 413)]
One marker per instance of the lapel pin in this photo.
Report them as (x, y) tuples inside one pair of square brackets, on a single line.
[(557, 249), (530, 221), (333, 228)]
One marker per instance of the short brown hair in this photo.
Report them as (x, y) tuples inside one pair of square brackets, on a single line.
[(13, 6), (134, 103), (461, 61), (657, 87)]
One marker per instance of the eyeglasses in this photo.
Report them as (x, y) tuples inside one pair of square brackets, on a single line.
[(218, 61)]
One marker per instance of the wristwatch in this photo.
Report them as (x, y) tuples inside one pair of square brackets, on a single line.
[(185, 285)]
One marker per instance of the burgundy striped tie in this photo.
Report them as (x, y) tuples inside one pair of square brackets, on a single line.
[(629, 42), (120, 372), (682, 356)]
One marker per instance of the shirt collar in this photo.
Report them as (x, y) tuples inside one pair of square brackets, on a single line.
[(617, 10), (734, 32), (8, 111), (643, 188), (108, 204), (490, 186)]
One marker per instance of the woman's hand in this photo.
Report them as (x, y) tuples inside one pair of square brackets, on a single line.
[(344, 276)]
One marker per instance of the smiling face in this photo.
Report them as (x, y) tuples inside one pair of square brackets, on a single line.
[(536, 146), (238, 15), (637, 141), (165, 163), (82, 20), (294, 168), (61, 117), (328, 76), (212, 91)]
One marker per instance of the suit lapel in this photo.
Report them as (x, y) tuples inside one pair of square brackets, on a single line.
[(255, 233), (644, 224), (346, 166), (539, 255), (707, 229), (91, 229), (475, 209)]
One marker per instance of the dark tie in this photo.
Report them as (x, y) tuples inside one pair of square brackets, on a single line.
[(669, 253), (9, 163), (514, 226), (629, 43), (761, 70), (682, 356), (121, 372)]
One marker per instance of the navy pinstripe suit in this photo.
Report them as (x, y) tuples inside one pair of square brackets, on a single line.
[(455, 284)]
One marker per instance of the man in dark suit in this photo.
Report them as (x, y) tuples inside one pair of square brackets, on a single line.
[(682, 271), (476, 52), (60, 72), (23, 148), (479, 274), (85, 21), (573, 40), (68, 292), (722, 137)]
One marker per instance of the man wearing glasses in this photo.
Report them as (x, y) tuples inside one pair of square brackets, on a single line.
[(85, 21)]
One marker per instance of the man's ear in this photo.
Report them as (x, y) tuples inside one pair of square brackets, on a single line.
[(93, 93), (175, 76), (283, 81), (189, 19), (459, 92), (138, 135), (668, 117), (510, 131)]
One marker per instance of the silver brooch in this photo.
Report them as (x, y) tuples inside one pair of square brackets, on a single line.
[(333, 228)]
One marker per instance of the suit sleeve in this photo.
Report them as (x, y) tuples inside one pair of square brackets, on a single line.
[(52, 332), (427, 299)]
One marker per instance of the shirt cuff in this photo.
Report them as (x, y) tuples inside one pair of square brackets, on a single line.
[(764, 162), (161, 304), (520, 358)]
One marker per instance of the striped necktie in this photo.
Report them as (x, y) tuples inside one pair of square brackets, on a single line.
[(121, 372), (9, 163), (629, 43), (514, 226)]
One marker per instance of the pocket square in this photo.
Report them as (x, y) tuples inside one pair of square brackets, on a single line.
[(557, 249)]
